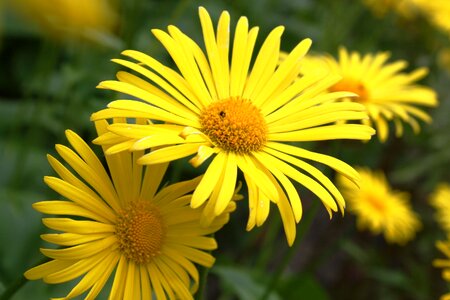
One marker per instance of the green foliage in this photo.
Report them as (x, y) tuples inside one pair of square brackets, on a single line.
[(47, 86)]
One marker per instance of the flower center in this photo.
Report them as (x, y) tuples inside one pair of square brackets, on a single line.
[(353, 86), (235, 125), (140, 231), (376, 203)]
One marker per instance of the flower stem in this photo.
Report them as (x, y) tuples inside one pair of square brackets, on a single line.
[(13, 288), (18, 283), (202, 284), (302, 228)]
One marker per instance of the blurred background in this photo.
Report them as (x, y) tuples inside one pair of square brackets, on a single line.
[(54, 52)]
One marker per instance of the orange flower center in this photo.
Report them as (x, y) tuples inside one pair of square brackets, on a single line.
[(376, 203), (353, 86), (235, 125), (140, 231)]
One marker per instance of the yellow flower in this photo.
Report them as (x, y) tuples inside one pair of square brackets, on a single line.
[(122, 222), (404, 8), (217, 107), (379, 208), (436, 11), (443, 58), (444, 247), (85, 19), (387, 93), (440, 200)]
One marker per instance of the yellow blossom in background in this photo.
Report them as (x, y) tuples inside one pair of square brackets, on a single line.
[(122, 224), (387, 93), (91, 20), (380, 7), (440, 200), (436, 11), (444, 263), (379, 208), (220, 106), (443, 59)]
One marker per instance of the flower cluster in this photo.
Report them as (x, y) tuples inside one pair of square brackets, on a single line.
[(234, 108)]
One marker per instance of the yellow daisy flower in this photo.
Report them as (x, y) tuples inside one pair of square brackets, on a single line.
[(214, 106), (379, 208), (387, 93), (85, 19), (444, 247), (122, 222), (436, 11), (440, 200), (404, 8)]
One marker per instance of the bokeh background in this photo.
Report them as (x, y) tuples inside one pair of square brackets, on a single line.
[(54, 52)]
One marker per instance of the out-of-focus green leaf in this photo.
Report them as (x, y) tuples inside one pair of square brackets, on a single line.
[(302, 286), (355, 251), (241, 282), (394, 278)]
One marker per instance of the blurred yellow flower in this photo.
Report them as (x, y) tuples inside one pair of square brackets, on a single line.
[(83, 19), (379, 208), (380, 7), (444, 263), (216, 106), (440, 200), (387, 93), (436, 11), (122, 222), (443, 58)]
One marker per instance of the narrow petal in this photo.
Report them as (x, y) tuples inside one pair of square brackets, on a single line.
[(168, 154), (228, 184), (209, 180), (72, 239), (58, 207), (308, 182), (81, 251), (264, 65), (77, 269), (77, 226), (258, 177), (47, 268), (329, 132), (94, 204), (95, 278), (118, 286), (281, 76), (334, 163)]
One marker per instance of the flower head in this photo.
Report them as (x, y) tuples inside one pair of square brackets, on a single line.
[(387, 93), (440, 200), (379, 208), (218, 105), (82, 19), (444, 263), (380, 7), (436, 12), (122, 222)]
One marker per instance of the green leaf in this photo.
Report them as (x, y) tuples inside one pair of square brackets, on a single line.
[(241, 283), (302, 286)]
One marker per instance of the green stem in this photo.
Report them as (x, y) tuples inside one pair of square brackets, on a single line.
[(267, 249), (302, 228), (202, 284), (13, 288), (18, 283)]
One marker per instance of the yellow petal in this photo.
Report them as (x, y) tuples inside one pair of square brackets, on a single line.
[(168, 154), (209, 180), (258, 177), (228, 184)]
